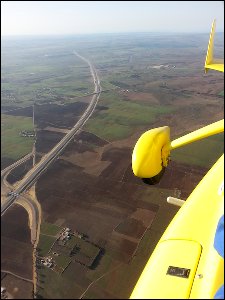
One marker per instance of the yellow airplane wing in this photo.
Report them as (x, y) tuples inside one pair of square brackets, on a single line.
[(185, 263), (211, 62)]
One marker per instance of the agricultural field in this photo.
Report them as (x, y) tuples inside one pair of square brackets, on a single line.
[(120, 118), (37, 73), (13, 145), (76, 249), (17, 288), (52, 285), (204, 153), (45, 244), (105, 220), (42, 74), (49, 229), (16, 247), (19, 172), (148, 80)]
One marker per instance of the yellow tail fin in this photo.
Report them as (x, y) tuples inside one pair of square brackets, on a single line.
[(211, 62)]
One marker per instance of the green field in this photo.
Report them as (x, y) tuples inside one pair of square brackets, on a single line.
[(45, 243), (122, 118), (107, 85), (49, 229), (13, 145), (103, 267), (54, 286), (47, 237), (62, 261), (54, 283), (87, 252), (203, 153), (29, 71), (36, 71)]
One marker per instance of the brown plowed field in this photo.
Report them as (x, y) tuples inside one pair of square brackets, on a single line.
[(51, 114), (131, 227), (120, 158), (46, 140), (191, 115), (177, 176), (5, 162), (87, 137), (182, 177), (120, 248), (26, 111), (17, 288), (16, 247), (92, 205), (18, 173), (77, 271)]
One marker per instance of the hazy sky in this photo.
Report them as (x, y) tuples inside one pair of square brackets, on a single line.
[(72, 17)]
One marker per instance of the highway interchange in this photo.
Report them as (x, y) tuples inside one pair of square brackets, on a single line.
[(32, 176)]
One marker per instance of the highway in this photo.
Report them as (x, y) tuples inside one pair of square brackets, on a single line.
[(15, 164), (5, 186), (32, 176)]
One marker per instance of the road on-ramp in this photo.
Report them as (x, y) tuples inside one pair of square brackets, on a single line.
[(32, 176)]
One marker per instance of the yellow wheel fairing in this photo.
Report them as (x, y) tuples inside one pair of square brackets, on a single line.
[(151, 152)]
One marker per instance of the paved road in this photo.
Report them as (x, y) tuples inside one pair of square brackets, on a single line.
[(33, 212), (50, 157), (5, 186), (15, 164)]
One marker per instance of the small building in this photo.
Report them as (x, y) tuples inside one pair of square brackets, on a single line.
[(27, 133), (3, 293), (47, 261)]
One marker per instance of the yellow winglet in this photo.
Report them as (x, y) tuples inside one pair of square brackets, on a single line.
[(210, 61)]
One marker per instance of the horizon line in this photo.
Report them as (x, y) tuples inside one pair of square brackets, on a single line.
[(105, 33)]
